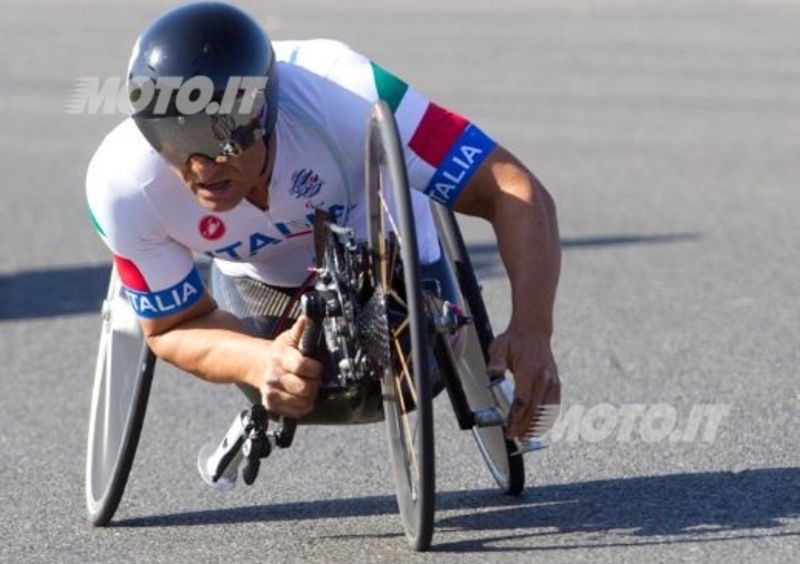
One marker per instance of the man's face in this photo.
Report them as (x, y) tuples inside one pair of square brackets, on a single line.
[(219, 185)]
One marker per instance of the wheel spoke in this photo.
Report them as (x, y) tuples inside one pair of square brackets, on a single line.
[(393, 294), (385, 207), (400, 328), (407, 436), (406, 373)]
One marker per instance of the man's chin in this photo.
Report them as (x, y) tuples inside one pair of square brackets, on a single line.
[(217, 200), (217, 205)]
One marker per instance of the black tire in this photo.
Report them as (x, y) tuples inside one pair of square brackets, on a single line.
[(507, 469), (123, 374), (407, 389)]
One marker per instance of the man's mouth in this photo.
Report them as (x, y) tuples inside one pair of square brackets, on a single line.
[(214, 190), (213, 186)]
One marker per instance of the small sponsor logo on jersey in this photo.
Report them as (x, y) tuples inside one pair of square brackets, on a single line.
[(305, 183), (211, 227)]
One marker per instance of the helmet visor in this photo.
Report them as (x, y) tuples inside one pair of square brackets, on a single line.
[(208, 133)]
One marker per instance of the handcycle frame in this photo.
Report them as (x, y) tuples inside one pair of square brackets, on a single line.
[(479, 403)]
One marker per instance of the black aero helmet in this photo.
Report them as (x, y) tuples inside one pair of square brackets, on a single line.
[(202, 80)]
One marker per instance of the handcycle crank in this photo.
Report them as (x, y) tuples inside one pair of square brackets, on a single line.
[(249, 438)]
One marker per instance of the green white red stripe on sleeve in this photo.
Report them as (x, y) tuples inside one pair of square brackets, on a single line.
[(443, 149)]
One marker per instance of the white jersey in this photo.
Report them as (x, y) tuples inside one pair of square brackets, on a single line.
[(153, 224)]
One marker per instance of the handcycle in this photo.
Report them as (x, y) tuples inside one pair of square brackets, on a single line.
[(393, 333)]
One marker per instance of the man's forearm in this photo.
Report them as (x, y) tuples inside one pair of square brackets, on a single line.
[(524, 220), (523, 216), (213, 346)]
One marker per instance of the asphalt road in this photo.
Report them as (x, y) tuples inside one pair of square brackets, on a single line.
[(669, 134)]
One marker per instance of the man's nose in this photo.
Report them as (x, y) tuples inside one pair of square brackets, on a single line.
[(204, 166)]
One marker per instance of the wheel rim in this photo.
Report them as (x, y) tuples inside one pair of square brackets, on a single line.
[(491, 441), (406, 381), (121, 385), (400, 386), (508, 471)]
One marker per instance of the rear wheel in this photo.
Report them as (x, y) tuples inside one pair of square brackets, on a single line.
[(406, 383), (122, 379), (507, 469)]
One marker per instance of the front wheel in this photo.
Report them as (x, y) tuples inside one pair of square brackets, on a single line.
[(122, 378), (506, 467), (406, 382)]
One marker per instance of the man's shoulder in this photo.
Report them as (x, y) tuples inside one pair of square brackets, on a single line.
[(327, 80), (318, 65), (121, 169), (318, 56), (124, 158)]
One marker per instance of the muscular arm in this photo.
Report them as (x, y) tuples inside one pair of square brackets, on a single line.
[(207, 342), (523, 216), (214, 345)]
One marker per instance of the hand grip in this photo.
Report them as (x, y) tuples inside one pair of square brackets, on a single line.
[(503, 389), (219, 465), (313, 308)]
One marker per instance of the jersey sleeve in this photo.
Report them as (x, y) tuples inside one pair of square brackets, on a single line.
[(158, 274), (442, 148)]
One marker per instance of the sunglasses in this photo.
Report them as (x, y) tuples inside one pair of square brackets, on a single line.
[(216, 134)]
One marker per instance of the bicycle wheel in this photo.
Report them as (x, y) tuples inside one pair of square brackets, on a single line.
[(122, 379), (406, 383), (507, 469)]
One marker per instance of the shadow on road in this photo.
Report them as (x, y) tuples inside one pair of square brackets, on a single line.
[(486, 258), (80, 289), (54, 291), (68, 290), (613, 240), (711, 506)]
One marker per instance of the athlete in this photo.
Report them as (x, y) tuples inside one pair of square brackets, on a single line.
[(242, 188)]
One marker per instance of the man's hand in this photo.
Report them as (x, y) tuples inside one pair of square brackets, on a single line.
[(529, 357), (289, 381), (523, 215)]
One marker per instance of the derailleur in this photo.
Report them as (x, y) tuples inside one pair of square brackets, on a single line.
[(355, 323)]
